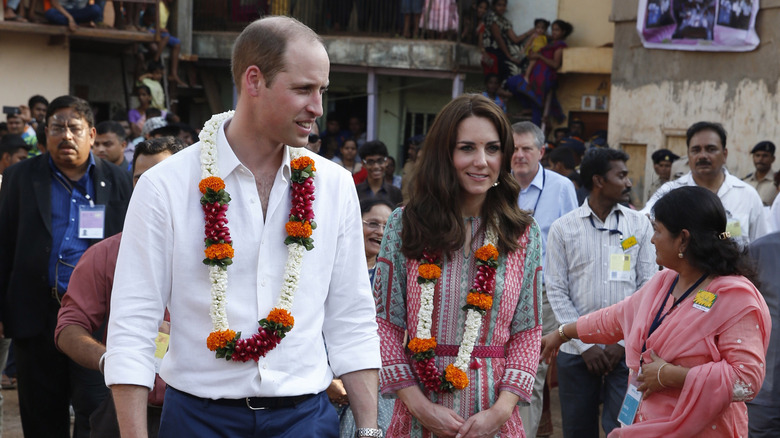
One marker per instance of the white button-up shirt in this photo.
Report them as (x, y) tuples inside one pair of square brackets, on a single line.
[(160, 264), (577, 265), (740, 199)]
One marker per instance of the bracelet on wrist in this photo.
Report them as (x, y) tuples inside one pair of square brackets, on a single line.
[(562, 334), (369, 432), (658, 375)]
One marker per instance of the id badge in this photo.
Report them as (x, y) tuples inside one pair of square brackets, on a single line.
[(631, 402), (91, 221), (734, 227), (160, 348), (619, 265)]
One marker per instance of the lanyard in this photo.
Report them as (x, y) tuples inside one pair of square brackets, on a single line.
[(611, 231), (660, 318), (539, 195), (71, 185)]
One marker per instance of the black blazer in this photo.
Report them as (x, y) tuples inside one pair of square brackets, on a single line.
[(26, 305)]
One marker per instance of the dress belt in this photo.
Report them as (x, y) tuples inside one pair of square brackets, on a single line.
[(253, 403), (479, 351)]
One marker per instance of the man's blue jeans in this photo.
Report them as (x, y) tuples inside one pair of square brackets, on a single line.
[(581, 393), (84, 15)]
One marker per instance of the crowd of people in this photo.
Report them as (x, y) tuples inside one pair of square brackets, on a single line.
[(337, 298)]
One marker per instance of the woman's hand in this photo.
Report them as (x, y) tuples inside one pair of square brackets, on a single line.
[(650, 376), (487, 423), (441, 421), (532, 56), (551, 342)]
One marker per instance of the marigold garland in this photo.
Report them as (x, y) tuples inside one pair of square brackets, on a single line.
[(478, 302), (228, 343)]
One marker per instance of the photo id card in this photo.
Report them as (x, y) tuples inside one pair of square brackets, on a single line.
[(631, 402), (619, 265), (91, 221)]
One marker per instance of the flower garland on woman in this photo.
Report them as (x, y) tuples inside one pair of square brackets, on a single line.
[(459, 269), (228, 343)]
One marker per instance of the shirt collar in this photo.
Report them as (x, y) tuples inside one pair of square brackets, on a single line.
[(227, 161), (585, 210), (538, 180)]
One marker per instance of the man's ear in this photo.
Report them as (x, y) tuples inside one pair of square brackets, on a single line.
[(253, 80)]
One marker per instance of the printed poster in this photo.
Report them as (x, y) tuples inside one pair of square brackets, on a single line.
[(701, 25)]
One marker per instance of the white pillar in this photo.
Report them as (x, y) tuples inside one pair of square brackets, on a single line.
[(457, 85), (371, 111)]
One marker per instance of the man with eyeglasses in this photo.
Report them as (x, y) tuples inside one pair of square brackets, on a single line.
[(374, 156), (52, 208)]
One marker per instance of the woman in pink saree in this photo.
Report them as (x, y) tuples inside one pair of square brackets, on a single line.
[(698, 330)]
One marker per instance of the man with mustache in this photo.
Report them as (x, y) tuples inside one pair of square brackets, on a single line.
[(597, 255), (707, 155), (52, 208)]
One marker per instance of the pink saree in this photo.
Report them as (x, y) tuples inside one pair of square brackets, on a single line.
[(724, 348)]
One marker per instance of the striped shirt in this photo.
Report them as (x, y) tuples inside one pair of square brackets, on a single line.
[(577, 268)]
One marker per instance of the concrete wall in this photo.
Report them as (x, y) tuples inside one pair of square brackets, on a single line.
[(522, 13), (657, 94), (590, 19), (46, 73)]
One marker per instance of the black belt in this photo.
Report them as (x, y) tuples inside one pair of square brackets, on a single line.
[(254, 403)]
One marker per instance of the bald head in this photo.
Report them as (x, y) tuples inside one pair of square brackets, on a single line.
[(264, 42)]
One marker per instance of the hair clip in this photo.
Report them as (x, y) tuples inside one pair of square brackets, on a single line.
[(724, 235)]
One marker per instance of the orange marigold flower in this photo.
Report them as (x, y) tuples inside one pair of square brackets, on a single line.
[(219, 339), (281, 316), (302, 163), (418, 345), (298, 229), (454, 375), (487, 252), (219, 251), (429, 271), (483, 301), (212, 182)]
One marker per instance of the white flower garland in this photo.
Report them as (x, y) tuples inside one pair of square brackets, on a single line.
[(472, 324), (218, 274)]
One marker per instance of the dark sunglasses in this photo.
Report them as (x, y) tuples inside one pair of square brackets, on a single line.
[(314, 138)]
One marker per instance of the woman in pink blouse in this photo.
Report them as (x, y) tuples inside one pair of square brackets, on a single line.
[(696, 334), (459, 272)]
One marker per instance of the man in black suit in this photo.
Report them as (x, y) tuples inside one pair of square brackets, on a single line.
[(52, 208)]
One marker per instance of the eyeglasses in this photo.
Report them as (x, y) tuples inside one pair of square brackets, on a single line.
[(373, 226), (378, 161), (76, 130), (314, 138)]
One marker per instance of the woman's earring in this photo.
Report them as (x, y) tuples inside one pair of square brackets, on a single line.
[(495, 184), (680, 255)]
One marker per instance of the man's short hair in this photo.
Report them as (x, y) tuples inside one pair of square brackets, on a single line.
[(706, 126), (79, 105), (10, 116), (373, 147), (11, 143), (158, 145), (263, 43), (564, 156), (36, 100), (521, 128), (597, 162), (111, 126)]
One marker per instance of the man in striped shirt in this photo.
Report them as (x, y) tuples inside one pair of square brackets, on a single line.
[(597, 255)]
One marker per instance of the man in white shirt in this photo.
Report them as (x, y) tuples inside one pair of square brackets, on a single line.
[(707, 155), (597, 255), (274, 379), (548, 196)]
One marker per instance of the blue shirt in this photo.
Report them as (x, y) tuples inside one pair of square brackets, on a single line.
[(67, 247), (548, 197)]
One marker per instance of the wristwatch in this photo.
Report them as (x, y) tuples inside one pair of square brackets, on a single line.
[(367, 431)]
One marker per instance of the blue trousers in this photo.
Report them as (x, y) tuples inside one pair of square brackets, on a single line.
[(581, 393), (84, 15), (185, 415), (763, 421)]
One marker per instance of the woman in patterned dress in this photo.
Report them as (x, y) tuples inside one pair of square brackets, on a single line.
[(698, 330), (462, 198)]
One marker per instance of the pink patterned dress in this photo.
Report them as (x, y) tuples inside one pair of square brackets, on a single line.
[(507, 349)]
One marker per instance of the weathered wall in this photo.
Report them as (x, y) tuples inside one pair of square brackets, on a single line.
[(522, 13), (657, 94), (46, 73), (590, 19)]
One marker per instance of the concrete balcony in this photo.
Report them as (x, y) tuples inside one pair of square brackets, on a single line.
[(594, 60)]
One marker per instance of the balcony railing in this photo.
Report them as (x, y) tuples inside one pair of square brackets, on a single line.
[(372, 18)]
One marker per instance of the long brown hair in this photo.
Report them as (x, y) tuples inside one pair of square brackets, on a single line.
[(432, 219)]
